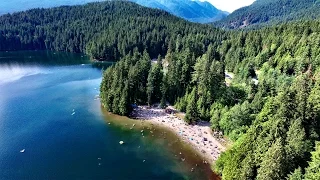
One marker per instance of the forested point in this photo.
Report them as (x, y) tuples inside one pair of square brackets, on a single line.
[(270, 109)]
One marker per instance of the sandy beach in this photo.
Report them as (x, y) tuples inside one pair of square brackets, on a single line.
[(199, 136)]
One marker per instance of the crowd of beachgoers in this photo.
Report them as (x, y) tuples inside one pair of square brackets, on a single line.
[(199, 135)]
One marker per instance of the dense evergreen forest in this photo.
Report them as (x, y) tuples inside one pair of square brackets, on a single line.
[(270, 109), (267, 12), (105, 31), (274, 123)]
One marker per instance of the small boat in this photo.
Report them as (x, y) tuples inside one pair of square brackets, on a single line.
[(23, 150), (73, 113), (121, 142)]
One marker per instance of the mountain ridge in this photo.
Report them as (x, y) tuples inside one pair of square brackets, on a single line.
[(266, 12), (13, 6), (192, 10)]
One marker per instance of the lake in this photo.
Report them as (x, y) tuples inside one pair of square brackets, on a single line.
[(49, 107)]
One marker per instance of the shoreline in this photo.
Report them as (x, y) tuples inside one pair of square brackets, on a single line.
[(199, 136)]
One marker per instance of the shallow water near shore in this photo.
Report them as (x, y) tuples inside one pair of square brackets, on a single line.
[(49, 108)]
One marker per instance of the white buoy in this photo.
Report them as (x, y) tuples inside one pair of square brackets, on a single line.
[(23, 150)]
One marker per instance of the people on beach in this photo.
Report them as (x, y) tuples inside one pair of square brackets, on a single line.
[(199, 136)]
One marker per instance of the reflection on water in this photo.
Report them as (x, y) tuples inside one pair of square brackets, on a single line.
[(17, 64), (45, 58), (14, 72)]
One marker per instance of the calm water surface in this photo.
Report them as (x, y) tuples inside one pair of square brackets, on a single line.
[(49, 107)]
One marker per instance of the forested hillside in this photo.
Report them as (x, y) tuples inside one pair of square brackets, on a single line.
[(270, 109), (105, 31), (268, 12), (274, 124)]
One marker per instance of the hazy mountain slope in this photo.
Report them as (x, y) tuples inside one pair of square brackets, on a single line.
[(192, 10), (263, 12), (10, 6)]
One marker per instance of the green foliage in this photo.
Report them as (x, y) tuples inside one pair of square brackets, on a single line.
[(217, 110), (272, 166), (121, 86), (296, 175), (313, 171), (314, 106), (296, 144), (191, 112), (281, 134), (236, 120), (154, 83)]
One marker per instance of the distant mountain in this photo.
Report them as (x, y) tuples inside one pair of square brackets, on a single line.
[(192, 10), (10, 6), (263, 12)]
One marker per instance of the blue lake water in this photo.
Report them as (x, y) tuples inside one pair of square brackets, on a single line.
[(49, 108)]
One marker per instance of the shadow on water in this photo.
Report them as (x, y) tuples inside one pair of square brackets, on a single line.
[(49, 58), (44, 58), (187, 160)]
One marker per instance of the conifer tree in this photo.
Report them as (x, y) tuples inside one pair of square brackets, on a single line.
[(273, 163), (296, 175), (124, 104), (192, 112), (313, 171)]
